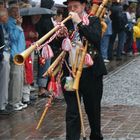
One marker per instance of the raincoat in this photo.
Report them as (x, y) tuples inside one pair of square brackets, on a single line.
[(17, 39), (136, 35), (136, 31)]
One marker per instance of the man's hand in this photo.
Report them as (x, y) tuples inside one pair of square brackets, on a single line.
[(75, 17), (33, 35), (63, 32), (19, 20)]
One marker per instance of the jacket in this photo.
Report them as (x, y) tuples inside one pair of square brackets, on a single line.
[(16, 36), (92, 33), (136, 31), (28, 27)]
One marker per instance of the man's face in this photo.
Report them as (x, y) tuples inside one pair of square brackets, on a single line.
[(35, 18), (4, 18), (75, 6), (14, 12)]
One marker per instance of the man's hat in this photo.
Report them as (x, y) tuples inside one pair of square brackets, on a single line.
[(81, 1)]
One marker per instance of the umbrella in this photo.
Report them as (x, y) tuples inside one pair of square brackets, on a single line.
[(36, 11)]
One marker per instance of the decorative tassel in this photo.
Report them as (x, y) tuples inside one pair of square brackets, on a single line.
[(66, 44), (52, 85), (47, 52), (88, 60)]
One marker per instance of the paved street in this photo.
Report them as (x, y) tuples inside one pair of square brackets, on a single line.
[(120, 110)]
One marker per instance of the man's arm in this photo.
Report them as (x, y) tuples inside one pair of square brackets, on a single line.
[(93, 31)]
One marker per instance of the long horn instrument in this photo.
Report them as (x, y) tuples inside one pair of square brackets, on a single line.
[(79, 71), (20, 58), (54, 64)]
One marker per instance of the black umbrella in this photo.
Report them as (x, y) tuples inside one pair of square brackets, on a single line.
[(36, 11)]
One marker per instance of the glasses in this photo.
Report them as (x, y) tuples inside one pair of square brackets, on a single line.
[(73, 7)]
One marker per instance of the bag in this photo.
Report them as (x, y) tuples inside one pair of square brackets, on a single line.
[(69, 84)]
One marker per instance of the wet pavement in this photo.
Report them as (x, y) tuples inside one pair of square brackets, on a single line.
[(120, 110)]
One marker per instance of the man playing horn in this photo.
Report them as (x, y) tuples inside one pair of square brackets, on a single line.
[(91, 82)]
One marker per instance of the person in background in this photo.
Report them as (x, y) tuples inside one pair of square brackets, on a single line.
[(119, 20), (106, 37), (138, 10), (31, 36), (132, 11), (17, 45), (4, 66), (55, 46), (136, 34)]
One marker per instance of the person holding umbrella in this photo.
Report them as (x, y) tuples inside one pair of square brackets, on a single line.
[(31, 36), (32, 15)]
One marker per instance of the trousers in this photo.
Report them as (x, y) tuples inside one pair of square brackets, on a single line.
[(90, 90)]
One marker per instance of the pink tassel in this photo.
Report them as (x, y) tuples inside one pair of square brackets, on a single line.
[(66, 44), (47, 52), (88, 60)]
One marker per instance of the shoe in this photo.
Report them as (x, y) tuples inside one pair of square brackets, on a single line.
[(5, 112), (23, 105), (17, 107), (106, 61)]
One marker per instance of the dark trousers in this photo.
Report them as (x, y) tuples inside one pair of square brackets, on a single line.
[(90, 89), (120, 46), (129, 42)]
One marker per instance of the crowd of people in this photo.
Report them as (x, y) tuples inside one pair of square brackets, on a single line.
[(18, 33), (121, 21)]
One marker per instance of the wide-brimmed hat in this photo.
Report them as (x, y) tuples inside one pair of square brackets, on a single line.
[(67, 1)]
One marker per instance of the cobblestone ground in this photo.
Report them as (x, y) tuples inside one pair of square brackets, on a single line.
[(121, 103), (120, 112)]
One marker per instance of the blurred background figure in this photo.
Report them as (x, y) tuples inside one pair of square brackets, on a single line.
[(106, 37), (31, 36), (4, 64), (119, 21), (42, 29), (17, 45)]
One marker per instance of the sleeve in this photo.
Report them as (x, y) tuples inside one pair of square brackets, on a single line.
[(92, 32)]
